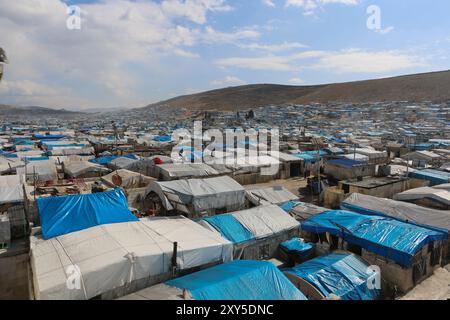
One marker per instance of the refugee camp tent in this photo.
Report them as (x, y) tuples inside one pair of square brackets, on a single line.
[(247, 225), (9, 165), (435, 197), (167, 172), (301, 210), (41, 170), (62, 215), (341, 274), (121, 163), (117, 259), (271, 195), (435, 177), (239, 280), (403, 211), (11, 189), (84, 169), (198, 195), (392, 239), (129, 179)]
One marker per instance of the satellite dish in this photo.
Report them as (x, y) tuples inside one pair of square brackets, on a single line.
[(117, 180)]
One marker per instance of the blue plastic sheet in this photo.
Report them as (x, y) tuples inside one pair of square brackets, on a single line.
[(297, 245), (230, 228), (343, 275), (239, 280), (436, 177), (346, 162), (387, 237), (62, 215), (107, 159), (49, 136), (289, 205), (162, 138)]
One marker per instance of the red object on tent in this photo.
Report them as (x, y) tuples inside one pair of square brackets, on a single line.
[(158, 161)]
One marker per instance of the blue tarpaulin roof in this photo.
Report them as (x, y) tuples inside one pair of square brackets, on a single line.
[(436, 177), (387, 237), (346, 162), (297, 245), (49, 136), (343, 275), (230, 228), (289, 205), (62, 215), (239, 280), (162, 138), (107, 159)]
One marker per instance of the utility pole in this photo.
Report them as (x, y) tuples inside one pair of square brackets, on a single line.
[(317, 141)]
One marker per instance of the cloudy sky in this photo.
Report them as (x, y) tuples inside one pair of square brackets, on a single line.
[(130, 53)]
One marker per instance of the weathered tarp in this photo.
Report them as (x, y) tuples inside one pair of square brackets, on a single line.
[(343, 275), (230, 228), (272, 195), (239, 280), (62, 215), (116, 255), (203, 194), (385, 236), (403, 211), (436, 195), (435, 177), (297, 245)]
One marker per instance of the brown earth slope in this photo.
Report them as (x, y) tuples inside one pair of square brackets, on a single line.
[(433, 86)]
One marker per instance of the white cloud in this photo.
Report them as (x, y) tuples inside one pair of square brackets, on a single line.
[(359, 61), (296, 81), (385, 30), (309, 6), (269, 3), (345, 61), (273, 47), (228, 81), (113, 35)]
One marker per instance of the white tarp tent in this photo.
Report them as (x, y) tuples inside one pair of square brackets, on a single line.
[(202, 194), (185, 170), (438, 195), (114, 255), (8, 165), (399, 210), (45, 170), (11, 189), (265, 221), (130, 179), (271, 195), (76, 169)]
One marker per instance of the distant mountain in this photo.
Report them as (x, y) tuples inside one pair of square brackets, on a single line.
[(34, 111), (433, 86)]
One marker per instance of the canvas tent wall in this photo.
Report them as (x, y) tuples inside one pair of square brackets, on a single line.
[(118, 259), (341, 274), (40, 170), (194, 197)]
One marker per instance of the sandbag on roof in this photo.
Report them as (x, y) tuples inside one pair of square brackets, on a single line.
[(403, 211), (271, 195), (115, 255), (62, 215), (385, 236), (440, 196), (203, 194), (239, 280), (265, 221), (341, 274), (11, 189)]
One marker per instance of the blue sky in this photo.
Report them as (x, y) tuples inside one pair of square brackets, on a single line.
[(129, 53)]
